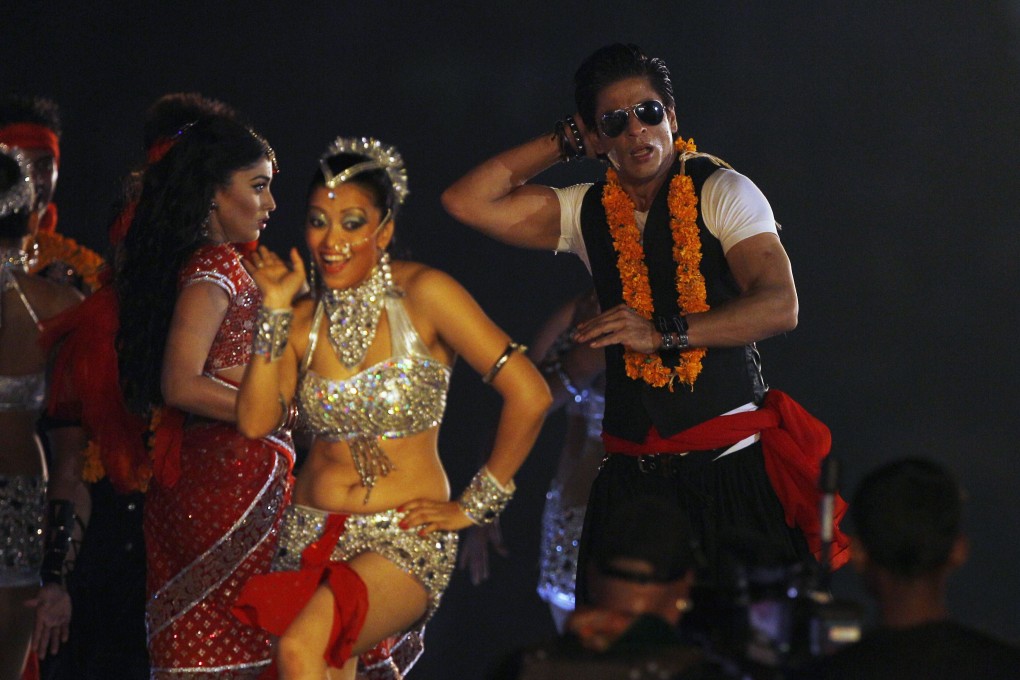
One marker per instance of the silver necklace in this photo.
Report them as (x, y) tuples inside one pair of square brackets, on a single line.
[(354, 316)]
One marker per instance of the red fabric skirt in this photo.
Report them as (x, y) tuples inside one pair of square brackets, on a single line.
[(206, 535)]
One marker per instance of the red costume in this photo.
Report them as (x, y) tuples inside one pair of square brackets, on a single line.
[(212, 510)]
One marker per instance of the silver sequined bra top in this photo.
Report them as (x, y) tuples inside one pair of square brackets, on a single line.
[(22, 392), (19, 392), (398, 397)]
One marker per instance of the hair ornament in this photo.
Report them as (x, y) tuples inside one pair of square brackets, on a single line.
[(18, 197), (379, 157)]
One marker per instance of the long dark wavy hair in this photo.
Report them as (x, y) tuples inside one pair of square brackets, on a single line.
[(175, 200)]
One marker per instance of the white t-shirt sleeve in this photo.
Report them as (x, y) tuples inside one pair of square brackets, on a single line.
[(571, 240), (733, 208)]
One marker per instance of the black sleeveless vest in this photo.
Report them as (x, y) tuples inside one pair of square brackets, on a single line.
[(730, 377)]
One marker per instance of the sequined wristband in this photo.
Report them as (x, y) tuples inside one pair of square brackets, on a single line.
[(484, 498), (271, 329)]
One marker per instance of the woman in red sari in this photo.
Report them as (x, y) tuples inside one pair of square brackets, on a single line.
[(187, 312)]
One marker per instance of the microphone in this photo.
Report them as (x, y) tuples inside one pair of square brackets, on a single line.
[(829, 482)]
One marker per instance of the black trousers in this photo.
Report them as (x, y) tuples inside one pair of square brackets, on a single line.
[(734, 514)]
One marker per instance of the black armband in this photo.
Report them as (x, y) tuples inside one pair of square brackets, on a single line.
[(59, 525), (48, 422)]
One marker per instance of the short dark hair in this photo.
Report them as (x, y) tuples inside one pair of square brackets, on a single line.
[(908, 516), (634, 530), (613, 63), (16, 108)]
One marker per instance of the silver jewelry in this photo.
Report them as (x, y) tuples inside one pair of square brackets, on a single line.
[(288, 416), (380, 157), (272, 326), (18, 197), (674, 340), (484, 498), (312, 276), (16, 260), (354, 316), (511, 347), (208, 217)]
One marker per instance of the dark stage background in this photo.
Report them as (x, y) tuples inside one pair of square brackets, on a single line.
[(884, 135)]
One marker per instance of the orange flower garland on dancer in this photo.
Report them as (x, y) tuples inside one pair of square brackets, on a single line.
[(637, 292)]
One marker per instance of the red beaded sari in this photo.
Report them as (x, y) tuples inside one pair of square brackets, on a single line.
[(212, 510)]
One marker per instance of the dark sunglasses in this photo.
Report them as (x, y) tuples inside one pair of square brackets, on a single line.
[(612, 123)]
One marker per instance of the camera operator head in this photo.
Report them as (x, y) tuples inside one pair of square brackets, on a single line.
[(908, 538), (638, 571)]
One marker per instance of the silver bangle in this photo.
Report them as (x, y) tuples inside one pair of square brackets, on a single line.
[(288, 416), (503, 358), (272, 326), (484, 498)]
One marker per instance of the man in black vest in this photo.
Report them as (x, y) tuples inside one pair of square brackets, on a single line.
[(690, 272)]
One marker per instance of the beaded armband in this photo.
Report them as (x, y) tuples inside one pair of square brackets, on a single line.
[(511, 347), (569, 139), (59, 523), (484, 498), (272, 326), (555, 367)]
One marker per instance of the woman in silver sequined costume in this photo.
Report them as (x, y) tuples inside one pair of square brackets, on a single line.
[(575, 373), (25, 301), (370, 542)]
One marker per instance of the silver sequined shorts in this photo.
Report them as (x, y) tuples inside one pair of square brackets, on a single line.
[(561, 536), (22, 514), (430, 559)]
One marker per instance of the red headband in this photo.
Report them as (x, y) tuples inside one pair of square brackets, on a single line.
[(31, 136), (159, 148)]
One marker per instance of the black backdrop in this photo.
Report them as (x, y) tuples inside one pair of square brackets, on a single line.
[(882, 133)]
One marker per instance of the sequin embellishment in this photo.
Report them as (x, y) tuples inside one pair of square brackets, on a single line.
[(220, 264), (430, 558), (22, 513)]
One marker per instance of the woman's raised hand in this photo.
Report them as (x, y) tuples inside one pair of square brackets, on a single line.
[(279, 282)]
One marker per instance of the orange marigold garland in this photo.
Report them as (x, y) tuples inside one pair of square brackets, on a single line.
[(637, 292), (92, 469), (59, 248)]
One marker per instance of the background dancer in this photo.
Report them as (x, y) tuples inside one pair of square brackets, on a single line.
[(186, 325)]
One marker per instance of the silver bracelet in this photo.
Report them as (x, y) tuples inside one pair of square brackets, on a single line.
[(674, 340), (288, 416), (272, 326), (484, 498), (503, 358)]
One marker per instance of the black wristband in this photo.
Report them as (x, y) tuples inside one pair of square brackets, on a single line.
[(562, 139), (59, 524), (667, 324)]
